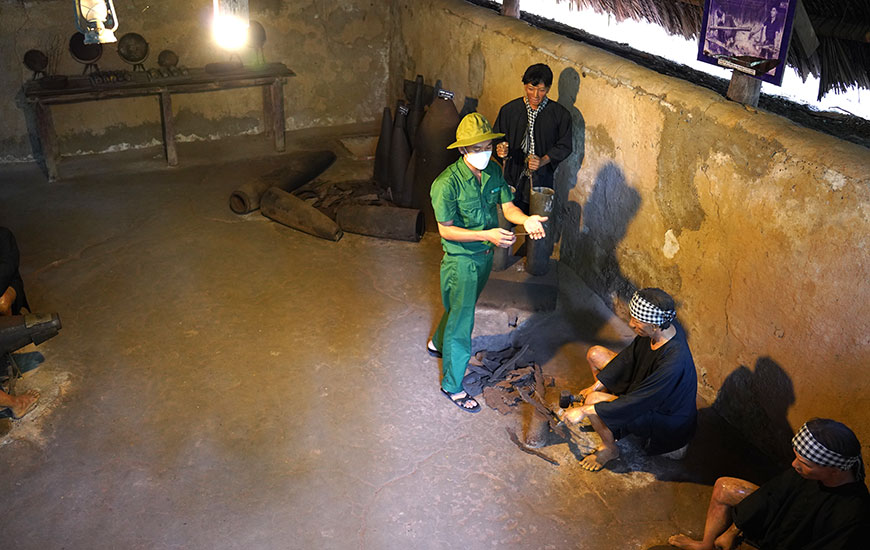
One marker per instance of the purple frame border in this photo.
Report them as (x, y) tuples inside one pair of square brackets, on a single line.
[(776, 77)]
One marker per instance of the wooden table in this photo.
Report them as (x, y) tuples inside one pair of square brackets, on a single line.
[(80, 89)]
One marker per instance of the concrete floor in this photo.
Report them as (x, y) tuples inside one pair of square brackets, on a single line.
[(227, 382)]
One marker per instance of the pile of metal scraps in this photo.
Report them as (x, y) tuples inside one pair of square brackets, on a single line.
[(513, 382)]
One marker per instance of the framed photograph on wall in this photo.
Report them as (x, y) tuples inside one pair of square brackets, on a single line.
[(751, 36)]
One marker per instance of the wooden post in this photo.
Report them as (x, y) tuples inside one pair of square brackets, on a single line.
[(278, 113), (744, 88), (267, 109), (168, 128), (47, 139), (511, 8)]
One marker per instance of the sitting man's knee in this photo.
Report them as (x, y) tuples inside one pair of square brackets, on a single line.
[(731, 490), (6, 301), (598, 356)]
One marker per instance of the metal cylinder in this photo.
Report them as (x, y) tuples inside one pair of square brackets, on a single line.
[(538, 251), (537, 431), (400, 153), (415, 114), (382, 152), (386, 222), (431, 155), (299, 169), (289, 210), (16, 331)]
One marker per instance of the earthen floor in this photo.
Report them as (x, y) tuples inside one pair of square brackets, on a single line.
[(222, 381)]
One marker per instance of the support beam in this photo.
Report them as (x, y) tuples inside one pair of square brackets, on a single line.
[(168, 129), (744, 89), (511, 8), (803, 28)]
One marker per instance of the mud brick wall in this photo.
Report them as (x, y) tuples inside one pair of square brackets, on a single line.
[(758, 227)]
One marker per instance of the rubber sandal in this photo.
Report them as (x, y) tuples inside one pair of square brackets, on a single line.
[(461, 401), (430, 349)]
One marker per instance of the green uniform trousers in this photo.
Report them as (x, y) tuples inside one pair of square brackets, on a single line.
[(463, 277)]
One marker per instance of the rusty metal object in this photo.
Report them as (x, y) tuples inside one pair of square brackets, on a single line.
[(403, 224), (289, 210), (382, 152), (415, 114), (537, 431), (431, 155), (584, 443), (538, 251), (300, 168), (526, 449), (400, 153), (16, 331)]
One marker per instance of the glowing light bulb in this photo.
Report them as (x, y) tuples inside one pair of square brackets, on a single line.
[(230, 25)]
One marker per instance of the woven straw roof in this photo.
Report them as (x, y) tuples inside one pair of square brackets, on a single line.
[(842, 27)]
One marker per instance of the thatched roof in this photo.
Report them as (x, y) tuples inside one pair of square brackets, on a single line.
[(842, 27)]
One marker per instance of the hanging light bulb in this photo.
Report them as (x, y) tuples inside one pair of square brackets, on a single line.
[(96, 20), (230, 26)]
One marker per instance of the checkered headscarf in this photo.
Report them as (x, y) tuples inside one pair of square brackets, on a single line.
[(529, 138), (647, 312), (809, 447)]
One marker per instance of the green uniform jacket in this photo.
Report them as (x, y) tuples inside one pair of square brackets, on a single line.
[(458, 197)]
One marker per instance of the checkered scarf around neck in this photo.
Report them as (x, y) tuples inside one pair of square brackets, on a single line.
[(809, 447), (647, 312), (529, 138)]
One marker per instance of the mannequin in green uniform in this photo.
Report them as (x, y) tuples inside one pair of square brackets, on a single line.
[(465, 197)]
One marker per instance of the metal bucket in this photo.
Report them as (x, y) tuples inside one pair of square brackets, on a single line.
[(538, 251)]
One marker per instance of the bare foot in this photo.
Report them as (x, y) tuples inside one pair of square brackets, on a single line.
[(686, 543), (26, 402), (599, 458)]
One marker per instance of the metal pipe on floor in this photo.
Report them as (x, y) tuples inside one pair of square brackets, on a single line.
[(289, 210), (386, 222), (300, 168)]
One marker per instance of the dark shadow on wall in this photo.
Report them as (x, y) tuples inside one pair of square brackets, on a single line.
[(591, 251), (566, 173), (756, 402)]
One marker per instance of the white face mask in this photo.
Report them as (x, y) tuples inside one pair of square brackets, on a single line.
[(478, 160)]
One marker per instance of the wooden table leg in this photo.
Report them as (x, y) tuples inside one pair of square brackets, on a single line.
[(168, 128), (267, 109), (278, 113), (47, 139)]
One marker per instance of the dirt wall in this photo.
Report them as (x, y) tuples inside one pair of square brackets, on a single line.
[(759, 228), (339, 51)]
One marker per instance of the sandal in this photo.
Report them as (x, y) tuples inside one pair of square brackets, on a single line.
[(461, 401), (432, 350)]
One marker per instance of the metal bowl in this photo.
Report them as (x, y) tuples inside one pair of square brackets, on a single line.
[(84, 53), (167, 59), (35, 60), (133, 48), (256, 34)]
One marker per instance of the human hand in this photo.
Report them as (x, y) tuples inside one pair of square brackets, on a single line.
[(584, 393), (573, 416), (534, 162), (534, 226), (500, 237), (502, 149)]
